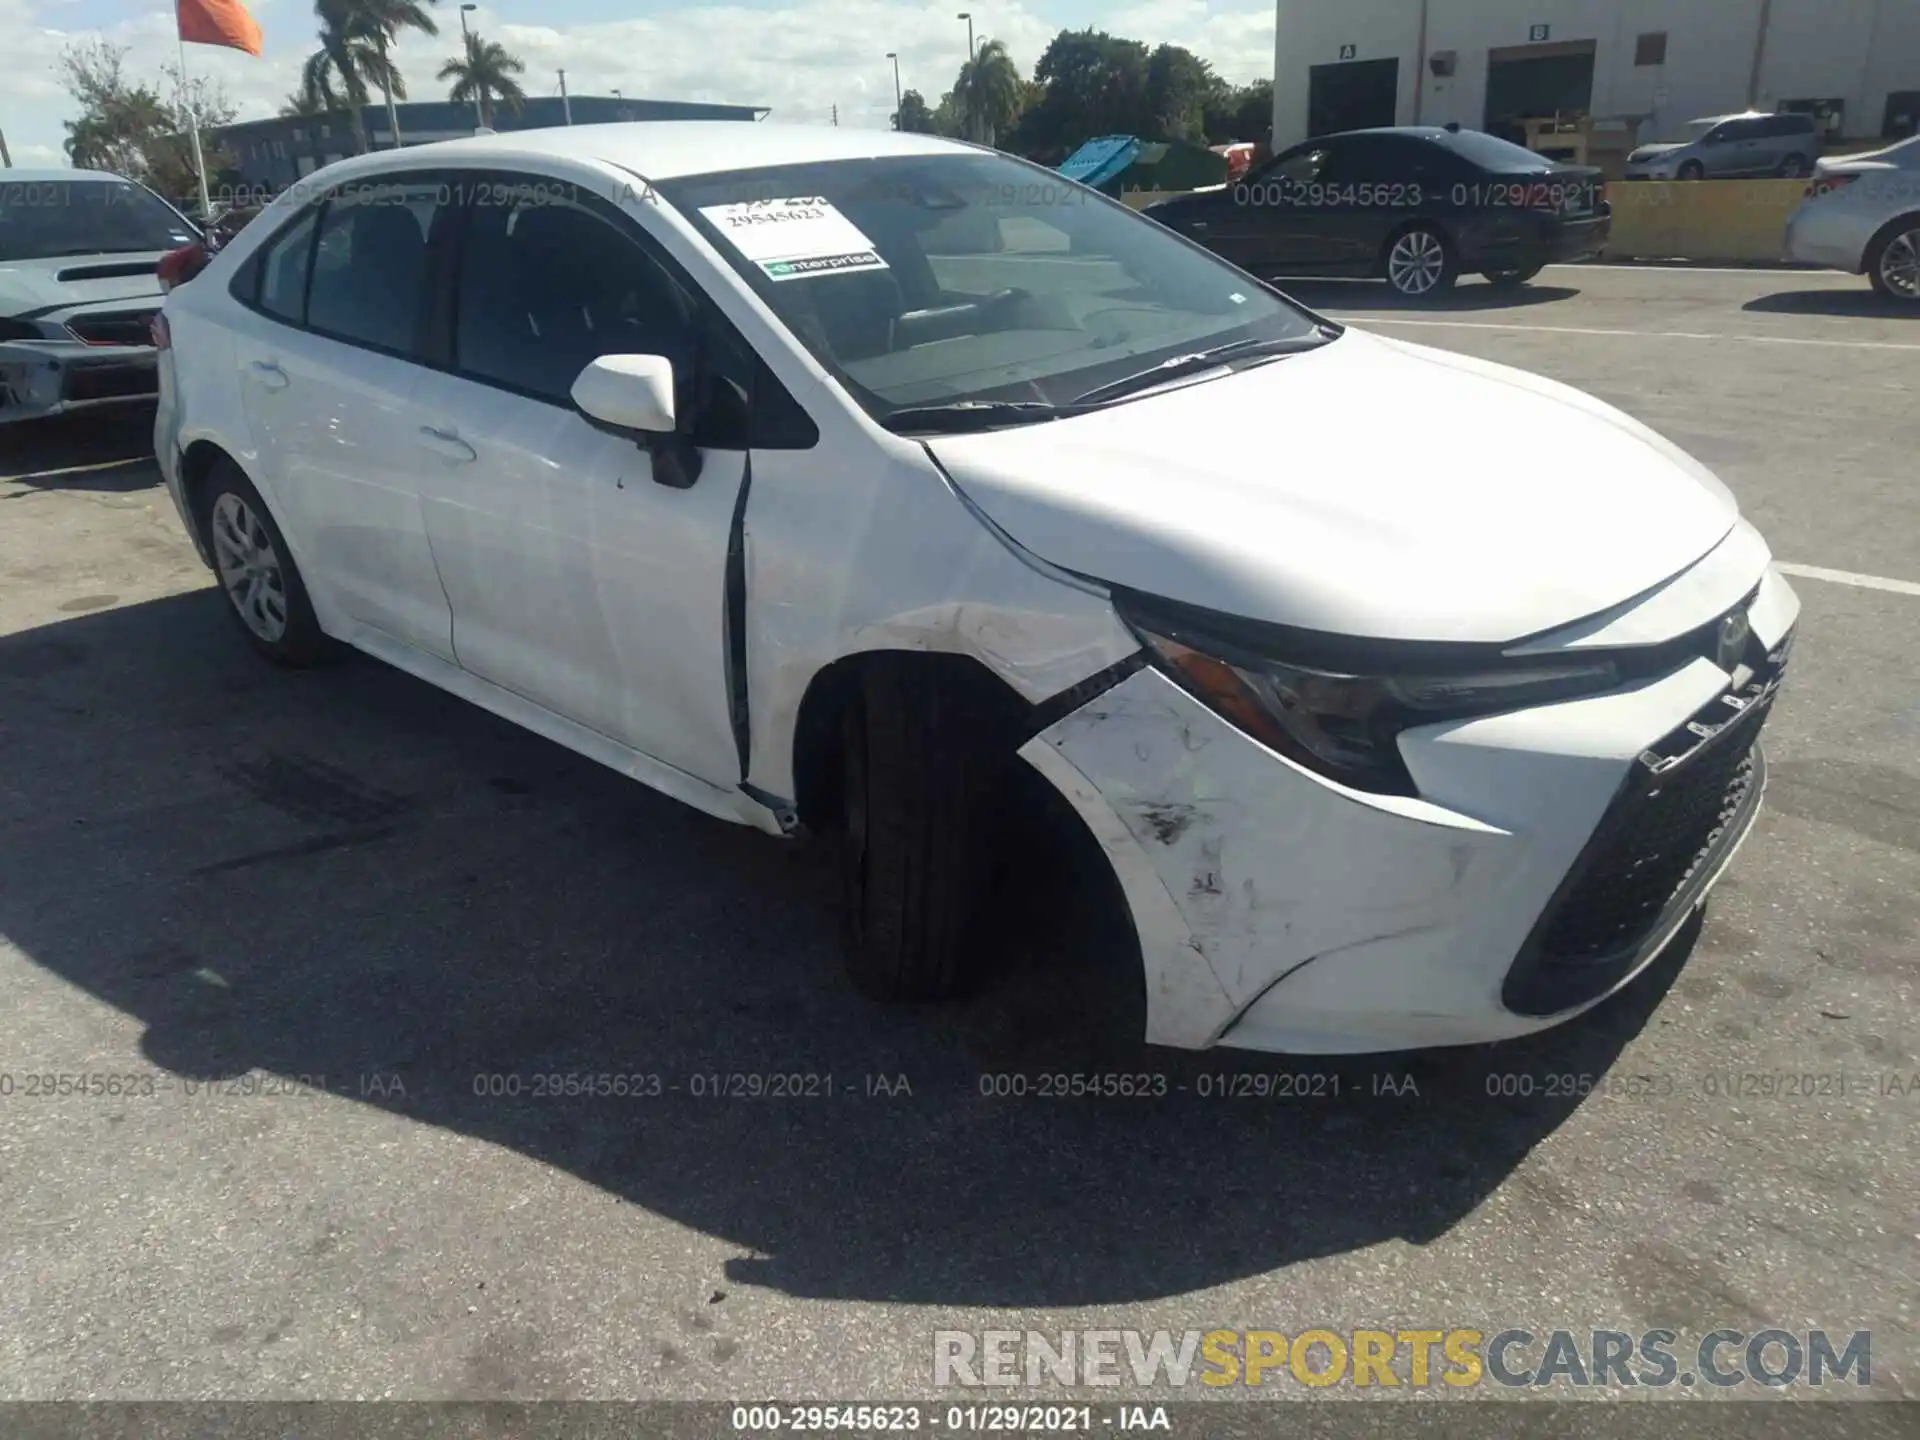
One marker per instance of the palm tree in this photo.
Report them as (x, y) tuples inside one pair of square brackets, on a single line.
[(354, 36), (304, 101), (988, 92), (485, 72)]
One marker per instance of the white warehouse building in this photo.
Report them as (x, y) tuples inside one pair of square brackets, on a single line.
[(1655, 64)]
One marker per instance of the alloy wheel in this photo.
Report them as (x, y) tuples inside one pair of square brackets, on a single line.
[(1416, 262), (249, 567), (1900, 265)]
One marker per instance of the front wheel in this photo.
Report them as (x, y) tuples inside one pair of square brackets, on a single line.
[(1693, 170), (1893, 261), (1420, 262), (1512, 279), (264, 591), (917, 780)]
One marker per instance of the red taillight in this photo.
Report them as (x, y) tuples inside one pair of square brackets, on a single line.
[(162, 333), (176, 267), (1827, 184)]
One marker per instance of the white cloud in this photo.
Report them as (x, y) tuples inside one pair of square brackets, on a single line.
[(802, 59)]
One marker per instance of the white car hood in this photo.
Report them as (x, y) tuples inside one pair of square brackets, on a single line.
[(1369, 487)]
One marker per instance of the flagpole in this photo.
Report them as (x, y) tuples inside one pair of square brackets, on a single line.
[(193, 129)]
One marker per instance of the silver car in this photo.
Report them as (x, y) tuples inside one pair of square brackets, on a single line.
[(79, 290), (1720, 147)]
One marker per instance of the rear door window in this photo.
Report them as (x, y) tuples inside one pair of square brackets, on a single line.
[(369, 280)]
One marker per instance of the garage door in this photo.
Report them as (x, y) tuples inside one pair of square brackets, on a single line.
[(1352, 95), (1526, 82)]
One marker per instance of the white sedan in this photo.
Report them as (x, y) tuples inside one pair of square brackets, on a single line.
[(1862, 214), (816, 477)]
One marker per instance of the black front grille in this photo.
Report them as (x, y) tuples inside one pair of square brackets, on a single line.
[(1665, 837), (1685, 801), (119, 327)]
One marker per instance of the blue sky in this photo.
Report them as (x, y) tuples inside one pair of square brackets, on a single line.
[(802, 57)]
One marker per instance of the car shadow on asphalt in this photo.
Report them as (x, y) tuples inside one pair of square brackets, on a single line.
[(1469, 295), (346, 875), (108, 451), (1863, 303)]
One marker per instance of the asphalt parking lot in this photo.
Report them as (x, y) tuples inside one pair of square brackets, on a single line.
[(218, 879)]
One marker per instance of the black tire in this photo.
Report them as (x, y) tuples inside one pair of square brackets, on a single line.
[(1793, 167), (1692, 170), (1419, 236), (918, 791), (1512, 279), (1907, 230), (298, 641)]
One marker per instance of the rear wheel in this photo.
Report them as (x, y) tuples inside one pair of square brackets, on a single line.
[(1793, 167), (265, 594), (1419, 262), (1513, 279), (1893, 260), (917, 789)]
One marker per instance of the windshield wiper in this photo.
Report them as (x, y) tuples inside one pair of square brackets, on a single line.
[(963, 415), (1212, 359)]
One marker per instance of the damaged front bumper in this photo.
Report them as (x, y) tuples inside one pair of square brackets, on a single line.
[(43, 378), (1278, 911)]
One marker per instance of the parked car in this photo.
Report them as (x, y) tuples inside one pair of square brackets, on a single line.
[(1417, 205), (1391, 734), (1862, 214), (1723, 147), (78, 289)]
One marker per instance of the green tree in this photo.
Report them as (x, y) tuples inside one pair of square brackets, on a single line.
[(139, 130), (485, 71), (1094, 84), (914, 116), (1179, 83), (1240, 112), (987, 93)]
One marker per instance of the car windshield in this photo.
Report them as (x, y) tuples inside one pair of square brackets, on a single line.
[(935, 280), (42, 219), (1490, 152)]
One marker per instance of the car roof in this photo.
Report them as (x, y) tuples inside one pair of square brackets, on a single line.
[(668, 149), (41, 177)]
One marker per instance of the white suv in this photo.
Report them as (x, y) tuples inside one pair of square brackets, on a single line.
[(812, 475)]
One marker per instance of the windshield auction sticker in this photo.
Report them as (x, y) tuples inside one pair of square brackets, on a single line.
[(792, 238)]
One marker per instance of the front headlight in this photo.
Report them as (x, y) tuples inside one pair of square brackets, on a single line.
[(1347, 727)]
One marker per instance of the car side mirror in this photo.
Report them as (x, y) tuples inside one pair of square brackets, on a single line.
[(634, 395), (630, 392)]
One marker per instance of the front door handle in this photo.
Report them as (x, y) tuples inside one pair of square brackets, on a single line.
[(269, 374), (447, 444)]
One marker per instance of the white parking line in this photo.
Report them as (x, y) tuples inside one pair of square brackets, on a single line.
[(1364, 320), (1848, 577), (81, 469)]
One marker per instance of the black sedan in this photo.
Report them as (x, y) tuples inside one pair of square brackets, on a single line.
[(1419, 205)]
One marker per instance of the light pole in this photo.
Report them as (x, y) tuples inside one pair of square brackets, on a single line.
[(894, 56), (466, 43), (967, 15)]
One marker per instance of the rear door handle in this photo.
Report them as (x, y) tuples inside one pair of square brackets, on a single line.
[(269, 374), (447, 444)]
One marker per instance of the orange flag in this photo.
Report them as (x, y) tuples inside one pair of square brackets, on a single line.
[(218, 22)]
